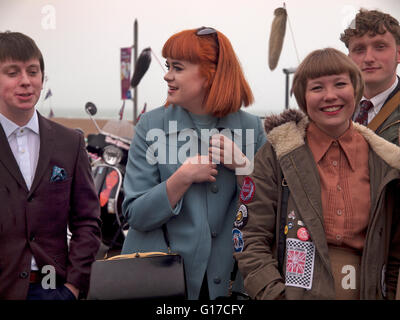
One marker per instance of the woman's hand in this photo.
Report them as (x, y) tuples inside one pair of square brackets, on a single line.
[(199, 169), (196, 169), (225, 151)]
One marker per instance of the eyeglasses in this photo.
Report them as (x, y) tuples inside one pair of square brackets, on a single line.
[(203, 31)]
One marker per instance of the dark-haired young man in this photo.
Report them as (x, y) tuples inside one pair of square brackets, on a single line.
[(45, 186), (374, 45)]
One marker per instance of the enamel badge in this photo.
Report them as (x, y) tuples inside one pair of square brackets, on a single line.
[(292, 215), (237, 238), (248, 190), (299, 263), (241, 217), (303, 234)]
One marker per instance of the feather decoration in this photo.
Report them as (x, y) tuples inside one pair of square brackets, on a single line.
[(277, 35)]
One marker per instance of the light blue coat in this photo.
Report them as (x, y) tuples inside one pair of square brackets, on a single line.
[(200, 226)]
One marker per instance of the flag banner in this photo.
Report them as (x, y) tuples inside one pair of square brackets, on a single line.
[(143, 111), (51, 113), (48, 94), (125, 73), (121, 111)]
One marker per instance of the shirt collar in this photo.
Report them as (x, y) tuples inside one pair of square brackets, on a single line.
[(320, 143), (380, 98), (9, 126)]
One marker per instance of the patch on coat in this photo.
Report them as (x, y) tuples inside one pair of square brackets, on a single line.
[(241, 217), (299, 263), (237, 238), (248, 190)]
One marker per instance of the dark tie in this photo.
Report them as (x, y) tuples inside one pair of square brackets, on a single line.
[(362, 117)]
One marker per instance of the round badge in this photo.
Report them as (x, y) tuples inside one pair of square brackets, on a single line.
[(237, 238), (241, 217), (286, 229), (290, 225), (248, 189), (303, 234)]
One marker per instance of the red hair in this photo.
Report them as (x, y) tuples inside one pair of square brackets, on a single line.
[(227, 86)]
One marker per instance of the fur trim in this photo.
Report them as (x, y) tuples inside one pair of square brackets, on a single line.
[(287, 131), (274, 121), (288, 136), (388, 151)]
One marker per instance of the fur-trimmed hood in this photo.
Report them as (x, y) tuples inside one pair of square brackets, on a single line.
[(287, 131)]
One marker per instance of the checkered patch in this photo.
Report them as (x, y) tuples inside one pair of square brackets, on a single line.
[(299, 263)]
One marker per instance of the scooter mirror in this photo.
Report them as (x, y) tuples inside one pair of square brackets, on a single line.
[(90, 108)]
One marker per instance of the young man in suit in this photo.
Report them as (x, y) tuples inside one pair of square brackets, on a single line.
[(45, 186), (374, 45)]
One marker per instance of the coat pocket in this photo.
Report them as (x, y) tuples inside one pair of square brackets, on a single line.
[(58, 192)]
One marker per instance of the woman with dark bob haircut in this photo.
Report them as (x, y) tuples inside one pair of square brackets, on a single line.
[(188, 159), (323, 222)]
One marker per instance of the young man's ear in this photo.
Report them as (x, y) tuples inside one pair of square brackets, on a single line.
[(398, 53)]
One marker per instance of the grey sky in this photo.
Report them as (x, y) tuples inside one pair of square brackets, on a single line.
[(81, 46)]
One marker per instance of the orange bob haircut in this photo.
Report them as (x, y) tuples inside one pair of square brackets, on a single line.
[(227, 88)]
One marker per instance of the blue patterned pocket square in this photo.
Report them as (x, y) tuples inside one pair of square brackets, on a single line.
[(58, 174)]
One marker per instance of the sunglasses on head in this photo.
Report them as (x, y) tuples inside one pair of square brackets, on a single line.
[(203, 31)]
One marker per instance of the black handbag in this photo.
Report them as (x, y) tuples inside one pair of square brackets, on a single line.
[(141, 275)]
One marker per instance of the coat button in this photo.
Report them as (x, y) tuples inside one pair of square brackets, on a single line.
[(217, 280), (23, 275), (214, 188), (30, 198), (213, 234)]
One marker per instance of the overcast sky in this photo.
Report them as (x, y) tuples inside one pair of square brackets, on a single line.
[(81, 41)]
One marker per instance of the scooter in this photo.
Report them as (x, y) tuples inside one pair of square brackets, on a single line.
[(108, 154)]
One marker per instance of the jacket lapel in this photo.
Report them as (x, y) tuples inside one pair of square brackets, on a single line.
[(45, 152), (9, 161)]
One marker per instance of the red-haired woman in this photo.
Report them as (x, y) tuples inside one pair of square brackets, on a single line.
[(188, 158)]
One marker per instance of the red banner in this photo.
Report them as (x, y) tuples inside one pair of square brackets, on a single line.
[(126, 73)]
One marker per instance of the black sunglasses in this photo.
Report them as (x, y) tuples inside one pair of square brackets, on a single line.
[(203, 31)]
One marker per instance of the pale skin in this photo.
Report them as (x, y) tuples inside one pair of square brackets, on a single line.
[(20, 87), (377, 57), (330, 103), (187, 88)]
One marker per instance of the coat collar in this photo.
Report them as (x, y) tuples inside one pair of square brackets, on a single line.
[(46, 148), (8, 160), (290, 135), (45, 152), (184, 121)]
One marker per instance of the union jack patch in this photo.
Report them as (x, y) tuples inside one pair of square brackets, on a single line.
[(299, 263)]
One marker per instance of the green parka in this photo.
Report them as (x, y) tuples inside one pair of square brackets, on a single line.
[(286, 154)]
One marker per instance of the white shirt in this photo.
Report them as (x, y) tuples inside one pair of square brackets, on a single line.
[(377, 101), (25, 144)]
